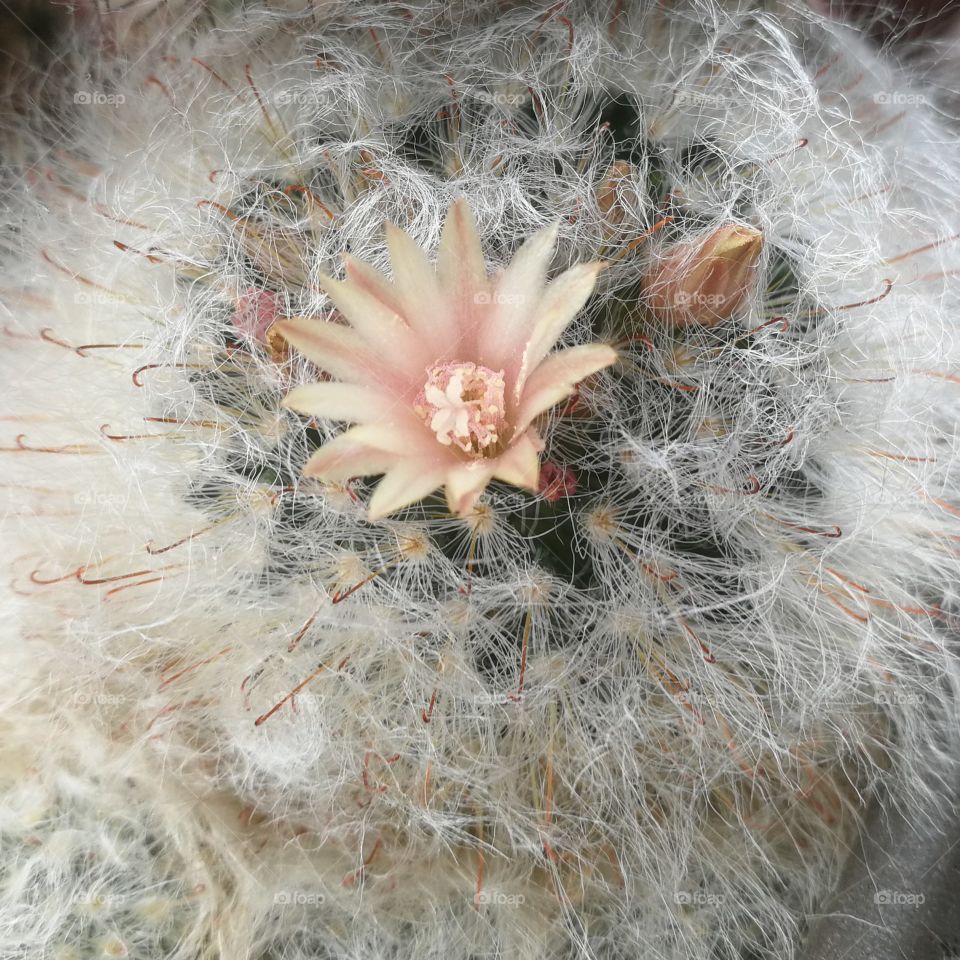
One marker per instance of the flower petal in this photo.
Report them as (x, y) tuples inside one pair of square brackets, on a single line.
[(340, 401), (459, 256), (462, 273), (421, 300), (515, 297), (464, 484), (520, 463), (406, 482), (556, 377), (561, 302), (379, 326), (334, 348), (342, 458), (403, 434), (372, 281)]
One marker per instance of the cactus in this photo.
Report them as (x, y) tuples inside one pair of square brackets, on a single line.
[(630, 699)]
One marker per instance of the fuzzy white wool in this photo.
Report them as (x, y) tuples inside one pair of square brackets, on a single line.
[(459, 750)]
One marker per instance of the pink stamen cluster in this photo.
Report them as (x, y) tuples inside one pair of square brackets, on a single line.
[(462, 403)]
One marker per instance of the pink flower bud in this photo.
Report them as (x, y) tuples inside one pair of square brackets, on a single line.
[(556, 482), (254, 320), (254, 314), (704, 281)]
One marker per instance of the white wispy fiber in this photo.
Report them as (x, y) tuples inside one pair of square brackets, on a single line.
[(635, 716)]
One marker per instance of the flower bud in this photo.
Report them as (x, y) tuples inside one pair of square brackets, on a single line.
[(556, 482), (615, 194), (254, 313), (254, 320), (704, 281)]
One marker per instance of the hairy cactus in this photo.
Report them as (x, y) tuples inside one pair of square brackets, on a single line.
[(627, 698)]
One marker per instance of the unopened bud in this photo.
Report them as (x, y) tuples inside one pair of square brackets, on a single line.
[(705, 281), (255, 312), (615, 193), (556, 482), (254, 321)]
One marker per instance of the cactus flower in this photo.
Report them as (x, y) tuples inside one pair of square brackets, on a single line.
[(704, 282), (445, 369)]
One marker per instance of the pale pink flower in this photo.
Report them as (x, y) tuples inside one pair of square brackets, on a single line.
[(443, 369)]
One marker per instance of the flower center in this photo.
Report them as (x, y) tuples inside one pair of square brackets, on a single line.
[(462, 403)]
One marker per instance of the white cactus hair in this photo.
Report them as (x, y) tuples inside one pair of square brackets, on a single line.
[(641, 721)]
